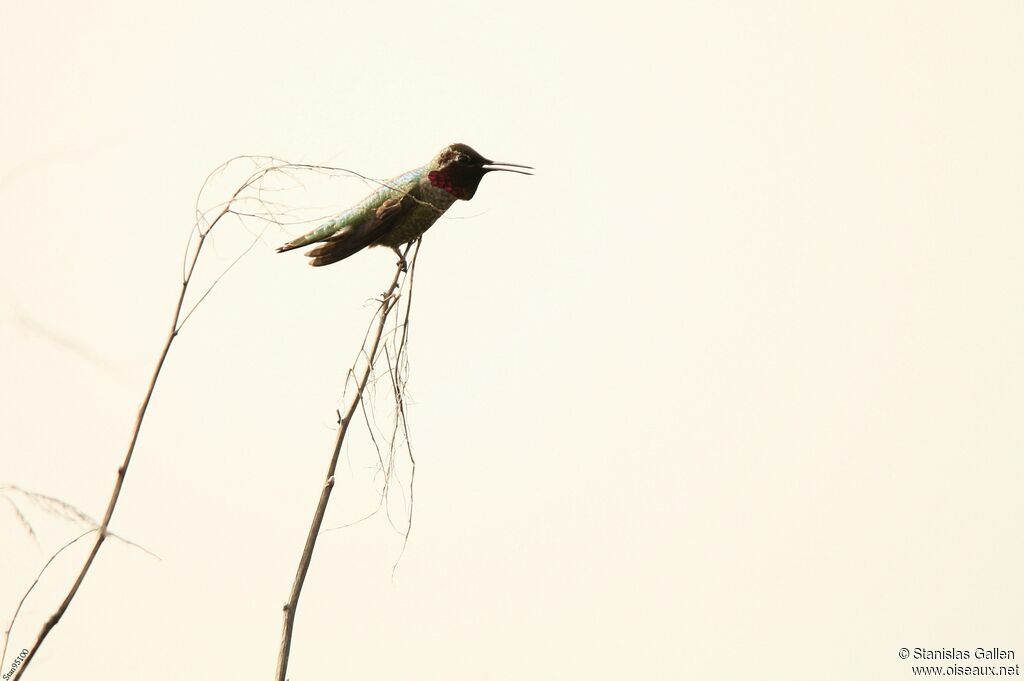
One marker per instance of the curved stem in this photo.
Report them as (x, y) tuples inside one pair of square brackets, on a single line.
[(387, 304), (122, 470)]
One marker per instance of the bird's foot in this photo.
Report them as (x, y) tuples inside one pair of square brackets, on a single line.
[(402, 265)]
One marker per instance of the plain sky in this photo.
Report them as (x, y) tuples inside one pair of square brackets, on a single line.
[(731, 389)]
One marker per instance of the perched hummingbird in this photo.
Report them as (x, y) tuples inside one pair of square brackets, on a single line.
[(402, 208)]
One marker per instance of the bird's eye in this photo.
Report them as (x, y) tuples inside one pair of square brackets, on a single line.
[(462, 159)]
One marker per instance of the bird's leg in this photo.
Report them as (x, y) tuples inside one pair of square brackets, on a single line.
[(401, 257)]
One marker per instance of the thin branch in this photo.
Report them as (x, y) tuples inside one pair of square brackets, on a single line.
[(102, 531), (399, 377), (388, 302), (216, 281), (14, 617), (400, 401)]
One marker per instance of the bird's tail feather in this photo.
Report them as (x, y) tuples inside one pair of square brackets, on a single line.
[(332, 251)]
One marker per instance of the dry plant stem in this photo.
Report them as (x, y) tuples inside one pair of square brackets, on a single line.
[(101, 532), (387, 304)]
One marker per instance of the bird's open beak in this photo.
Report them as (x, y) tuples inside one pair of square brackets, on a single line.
[(509, 169)]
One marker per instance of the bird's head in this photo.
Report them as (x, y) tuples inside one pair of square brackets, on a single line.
[(458, 169)]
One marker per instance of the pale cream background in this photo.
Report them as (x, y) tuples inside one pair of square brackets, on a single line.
[(730, 390)]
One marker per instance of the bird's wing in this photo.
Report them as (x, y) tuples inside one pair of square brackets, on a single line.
[(358, 233)]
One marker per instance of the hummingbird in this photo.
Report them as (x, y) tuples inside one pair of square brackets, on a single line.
[(402, 208)]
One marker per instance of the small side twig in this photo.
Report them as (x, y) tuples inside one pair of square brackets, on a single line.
[(65, 511), (387, 304), (14, 617)]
